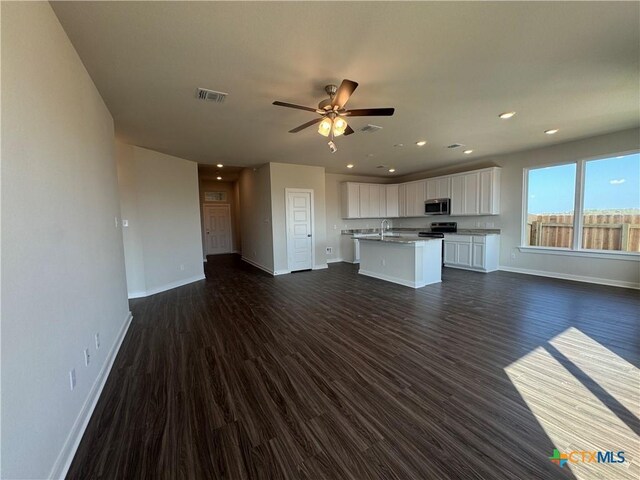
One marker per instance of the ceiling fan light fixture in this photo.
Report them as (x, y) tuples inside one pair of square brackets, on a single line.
[(339, 126), (325, 127)]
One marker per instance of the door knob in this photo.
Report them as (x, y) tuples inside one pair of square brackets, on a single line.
[(309, 235)]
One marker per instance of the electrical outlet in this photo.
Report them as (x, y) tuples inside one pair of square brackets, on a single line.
[(182, 266), (72, 378), (125, 223), (513, 255), (97, 341), (383, 262), (329, 250), (87, 357)]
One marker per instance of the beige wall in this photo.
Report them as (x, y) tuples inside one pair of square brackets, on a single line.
[(255, 217), (229, 188), (335, 222), (159, 199), (611, 271), (63, 274), (283, 176)]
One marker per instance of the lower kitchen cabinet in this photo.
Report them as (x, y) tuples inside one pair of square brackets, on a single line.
[(472, 252)]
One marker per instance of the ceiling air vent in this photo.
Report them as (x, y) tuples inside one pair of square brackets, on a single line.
[(455, 145), (210, 95), (370, 128)]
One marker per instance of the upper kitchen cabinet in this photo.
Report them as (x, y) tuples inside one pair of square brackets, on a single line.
[(438, 187), (350, 200), (476, 193), (415, 195), (364, 200), (392, 200)]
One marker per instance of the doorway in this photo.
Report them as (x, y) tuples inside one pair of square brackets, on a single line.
[(300, 241), (217, 229)]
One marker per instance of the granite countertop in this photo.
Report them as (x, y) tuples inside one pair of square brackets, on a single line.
[(399, 239), (461, 231)]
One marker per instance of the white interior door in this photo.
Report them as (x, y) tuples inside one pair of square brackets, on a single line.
[(299, 233), (217, 229)]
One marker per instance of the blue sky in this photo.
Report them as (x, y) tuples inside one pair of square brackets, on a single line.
[(609, 183)]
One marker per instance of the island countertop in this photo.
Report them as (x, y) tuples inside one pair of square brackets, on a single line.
[(397, 239)]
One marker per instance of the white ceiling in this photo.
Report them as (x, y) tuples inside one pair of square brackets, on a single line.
[(448, 68)]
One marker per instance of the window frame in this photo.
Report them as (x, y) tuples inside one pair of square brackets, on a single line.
[(578, 213)]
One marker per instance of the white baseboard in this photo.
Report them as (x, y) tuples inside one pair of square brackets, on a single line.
[(168, 286), (257, 265), (281, 272), (575, 278), (335, 260), (65, 457), (320, 267)]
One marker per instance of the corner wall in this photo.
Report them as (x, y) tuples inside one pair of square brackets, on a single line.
[(63, 274), (255, 217), (283, 176), (160, 201)]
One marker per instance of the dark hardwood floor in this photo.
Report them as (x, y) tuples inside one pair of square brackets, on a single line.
[(331, 375)]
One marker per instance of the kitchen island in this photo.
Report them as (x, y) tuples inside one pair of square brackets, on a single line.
[(406, 260)]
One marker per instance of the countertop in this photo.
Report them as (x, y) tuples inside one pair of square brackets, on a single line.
[(407, 239), (462, 231)]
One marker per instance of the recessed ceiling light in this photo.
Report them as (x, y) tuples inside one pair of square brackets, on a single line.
[(551, 131), (218, 178), (350, 165), (468, 151), (219, 165), (421, 143), (399, 145), (391, 170), (506, 115)]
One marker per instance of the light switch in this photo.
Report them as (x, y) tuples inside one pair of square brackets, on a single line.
[(125, 223)]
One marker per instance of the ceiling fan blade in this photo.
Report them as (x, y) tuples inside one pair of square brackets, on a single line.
[(305, 125), (293, 105), (370, 112), (348, 131), (346, 88)]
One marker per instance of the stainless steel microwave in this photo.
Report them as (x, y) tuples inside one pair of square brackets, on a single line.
[(437, 206)]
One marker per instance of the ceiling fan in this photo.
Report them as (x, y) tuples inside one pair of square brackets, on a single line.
[(332, 114)]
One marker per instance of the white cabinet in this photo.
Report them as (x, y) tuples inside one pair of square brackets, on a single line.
[(364, 200), (476, 193), (350, 200), (471, 193), (415, 195), (489, 194), (472, 252), (392, 200), (438, 187)]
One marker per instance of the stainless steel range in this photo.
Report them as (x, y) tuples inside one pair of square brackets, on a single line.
[(438, 229)]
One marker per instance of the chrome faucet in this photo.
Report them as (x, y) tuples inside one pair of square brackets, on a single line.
[(382, 227)]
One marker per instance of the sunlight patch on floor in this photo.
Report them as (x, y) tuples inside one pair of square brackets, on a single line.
[(573, 417)]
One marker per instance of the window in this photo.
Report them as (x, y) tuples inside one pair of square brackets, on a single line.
[(606, 211)]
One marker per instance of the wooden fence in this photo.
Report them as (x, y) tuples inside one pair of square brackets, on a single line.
[(600, 231)]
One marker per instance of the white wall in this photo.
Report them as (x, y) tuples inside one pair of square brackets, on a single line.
[(62, 256), (283, 176), (255, 217), (600, 270), (335, 223), (160, 200)]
